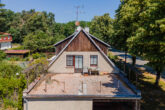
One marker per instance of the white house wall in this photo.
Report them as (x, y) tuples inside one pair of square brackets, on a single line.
[(59, 66), (5, 45)]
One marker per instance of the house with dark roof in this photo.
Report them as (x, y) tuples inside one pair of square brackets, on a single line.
[(5, 41), (82, 77)]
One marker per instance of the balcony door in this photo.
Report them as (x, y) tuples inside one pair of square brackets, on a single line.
[(78, 63)]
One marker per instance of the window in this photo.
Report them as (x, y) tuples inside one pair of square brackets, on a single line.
[(94, 60), (69, 60)]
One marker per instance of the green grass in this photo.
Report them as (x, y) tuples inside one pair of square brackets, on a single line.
[(153, 98)]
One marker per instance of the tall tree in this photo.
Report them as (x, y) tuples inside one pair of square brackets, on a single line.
[(6, 17), (102, 27), (27, 22), (39, 41), (150, 35), (126, 23)]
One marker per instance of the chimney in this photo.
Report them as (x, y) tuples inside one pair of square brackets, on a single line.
[(86, 29), (78, 28)]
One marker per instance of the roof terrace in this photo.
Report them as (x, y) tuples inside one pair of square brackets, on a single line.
[(77, 84)]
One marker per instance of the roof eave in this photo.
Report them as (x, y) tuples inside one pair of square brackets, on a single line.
[(100, 41), (84, 96)]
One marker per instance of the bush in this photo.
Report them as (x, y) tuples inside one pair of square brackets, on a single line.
[(2, 55), (15, 59), (112, 57), (37, 55), (39, 41), (10, 84)]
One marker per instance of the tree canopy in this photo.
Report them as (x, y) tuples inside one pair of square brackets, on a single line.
[(139, 28), (102, 27), (39, 41)]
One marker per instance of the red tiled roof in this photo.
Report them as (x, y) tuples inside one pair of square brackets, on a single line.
[(6, 40), (17, 51), (3, 33)]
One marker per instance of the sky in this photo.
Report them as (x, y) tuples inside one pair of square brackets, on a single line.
[(65, 10)]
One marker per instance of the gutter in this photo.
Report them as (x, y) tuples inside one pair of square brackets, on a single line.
[(26, 101), (133, 97)]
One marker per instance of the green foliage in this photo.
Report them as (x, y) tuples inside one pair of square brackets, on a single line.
[(112, 57), (41, 60), (18, 48), (27, 22), (10, 84), (139, 27), (8, 70), (2, 55), (22, 86), (6, 17), (66, 29), (38, 55), (102, 27), (39, 41)]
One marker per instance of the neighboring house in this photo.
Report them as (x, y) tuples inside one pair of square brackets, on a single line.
[(5, 41), (66, 86), (17, 53)]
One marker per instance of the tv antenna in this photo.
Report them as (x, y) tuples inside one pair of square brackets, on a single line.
[(78, 12)]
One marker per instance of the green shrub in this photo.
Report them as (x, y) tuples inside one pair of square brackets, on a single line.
[(2, 55), (112, 57), (37, 55), (15, 59), (10, 84)]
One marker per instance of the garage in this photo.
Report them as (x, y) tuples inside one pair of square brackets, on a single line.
[(114, 105)]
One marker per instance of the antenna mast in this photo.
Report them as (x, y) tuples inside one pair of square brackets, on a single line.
[(77, 12)]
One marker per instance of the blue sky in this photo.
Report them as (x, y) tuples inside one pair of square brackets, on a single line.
[(65, 10)]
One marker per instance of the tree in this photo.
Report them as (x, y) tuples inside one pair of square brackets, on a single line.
[(126, 23), (149, 37), (102, 27), (6, 17), (39, 41), (26, 22)]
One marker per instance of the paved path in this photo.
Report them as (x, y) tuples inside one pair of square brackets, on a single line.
[(140, 63)]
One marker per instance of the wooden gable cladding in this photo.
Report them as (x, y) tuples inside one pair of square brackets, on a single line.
[(102, 46), (61, 46), (81, 43)]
